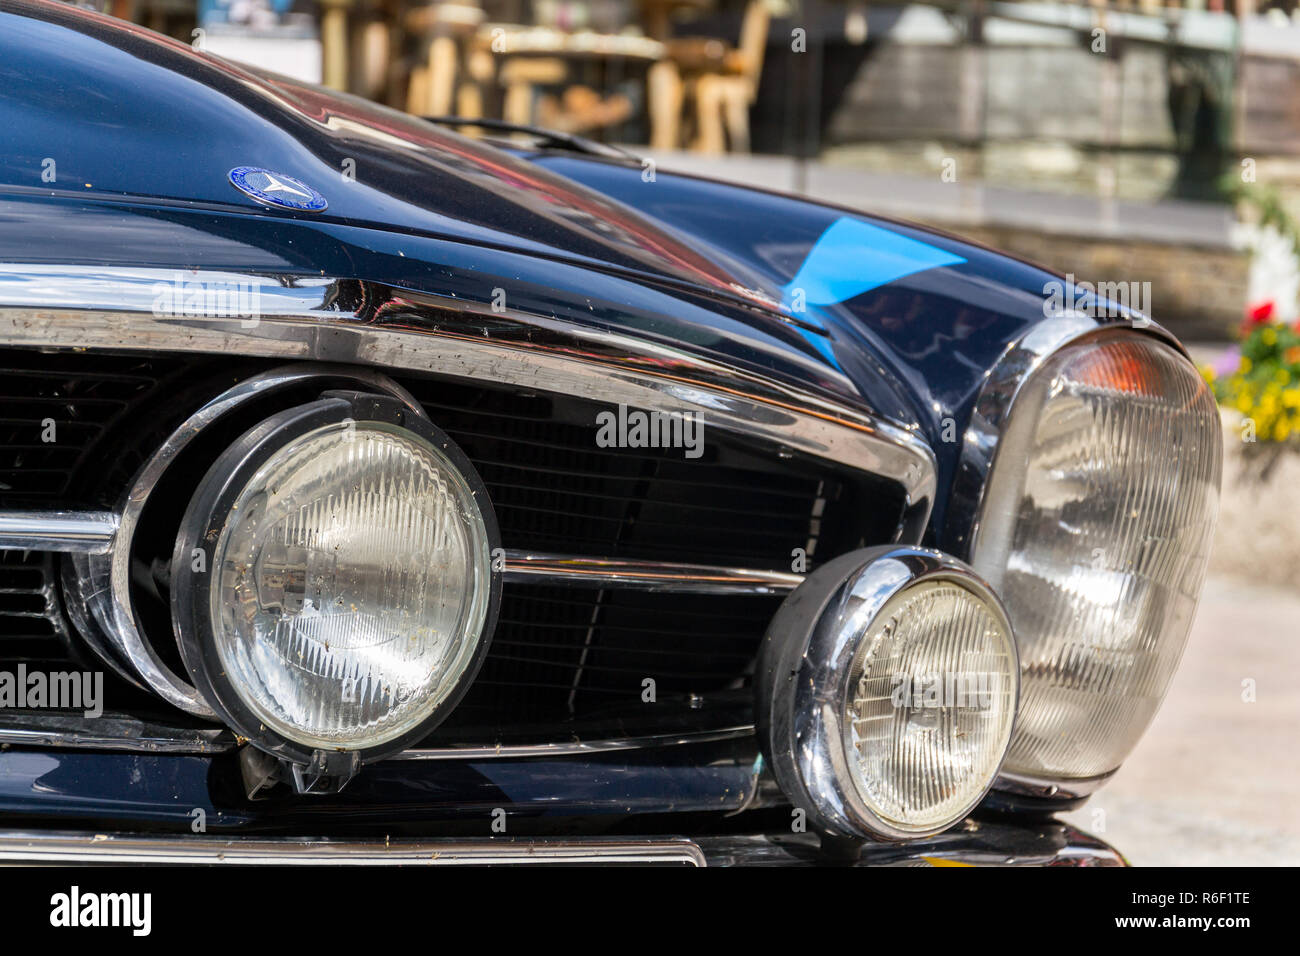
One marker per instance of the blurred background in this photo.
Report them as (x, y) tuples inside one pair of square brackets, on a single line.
[(1132, 142)]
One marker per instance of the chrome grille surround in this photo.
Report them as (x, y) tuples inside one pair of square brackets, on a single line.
[(87, 308)]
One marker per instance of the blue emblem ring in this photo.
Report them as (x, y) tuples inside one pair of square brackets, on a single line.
[(276, 189)]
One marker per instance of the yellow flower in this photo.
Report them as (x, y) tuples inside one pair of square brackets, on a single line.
[(1245, 366), (1269, 336)]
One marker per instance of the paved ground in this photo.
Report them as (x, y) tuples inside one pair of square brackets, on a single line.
[(1216, 780)]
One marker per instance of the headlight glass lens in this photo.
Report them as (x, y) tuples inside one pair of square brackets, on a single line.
[(353, 581), (1095, 531), (930, 703)]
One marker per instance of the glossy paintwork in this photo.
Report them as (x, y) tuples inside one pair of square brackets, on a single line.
[(932, 335), (164, 790), (136, 115), (114, 236)]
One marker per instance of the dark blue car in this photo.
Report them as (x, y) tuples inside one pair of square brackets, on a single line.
[(370, 491)]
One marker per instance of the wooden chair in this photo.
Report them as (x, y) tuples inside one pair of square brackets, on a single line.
[(720, 80), (446, 28)]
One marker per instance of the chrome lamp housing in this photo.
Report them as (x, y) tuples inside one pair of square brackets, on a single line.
[(1087, 497), (886, 691)]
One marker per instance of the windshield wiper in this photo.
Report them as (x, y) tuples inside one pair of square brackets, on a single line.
[(550, 137)]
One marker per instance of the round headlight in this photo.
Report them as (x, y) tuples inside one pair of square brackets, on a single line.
[(332, 584), (887, 687)]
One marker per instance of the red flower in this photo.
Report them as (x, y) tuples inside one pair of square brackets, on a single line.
[(1260, 313)]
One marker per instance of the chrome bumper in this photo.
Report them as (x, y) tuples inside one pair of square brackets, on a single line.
[(1046, 843), (120, 849), (1041, 842)]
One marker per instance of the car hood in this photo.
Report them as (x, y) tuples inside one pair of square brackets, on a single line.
[(193, 118)]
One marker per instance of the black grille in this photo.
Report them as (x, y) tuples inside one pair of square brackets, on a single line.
[(74, 428), (54, 410), (555, 490), (560, 651), (71, 424), (32, 623), (559, 654)]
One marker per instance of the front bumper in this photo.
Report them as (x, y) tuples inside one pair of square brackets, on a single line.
[(702, 803), (975, 843)]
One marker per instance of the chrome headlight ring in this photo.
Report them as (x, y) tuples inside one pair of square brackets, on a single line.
[(102, 581)]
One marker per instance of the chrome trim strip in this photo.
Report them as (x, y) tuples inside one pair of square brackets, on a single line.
[(1051, 789), (93, 533), (129, 735), (577, 747), (64, 532), (986, 842), (300, 319), (118, 849), (110, 732), (573, 571), (990, 844)]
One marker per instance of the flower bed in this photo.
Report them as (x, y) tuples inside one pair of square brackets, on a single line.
[(1257, 384), (1261, 380)]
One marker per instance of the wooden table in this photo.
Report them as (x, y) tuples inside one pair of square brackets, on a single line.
[(525, 57)]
